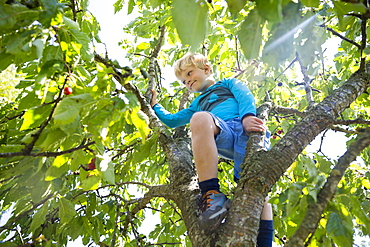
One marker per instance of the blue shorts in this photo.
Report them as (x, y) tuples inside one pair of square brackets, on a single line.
[(231, 141)]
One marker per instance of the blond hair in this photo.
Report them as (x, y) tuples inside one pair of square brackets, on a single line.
[(191, 59)]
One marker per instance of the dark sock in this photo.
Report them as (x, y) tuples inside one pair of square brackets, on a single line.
[(210, 184), (266, 233)]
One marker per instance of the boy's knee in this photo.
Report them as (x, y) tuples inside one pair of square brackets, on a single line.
[(199, 118), (201, 121)]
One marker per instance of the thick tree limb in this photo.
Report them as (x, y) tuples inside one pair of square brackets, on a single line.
[(286, 111), (315, 210), (256, 139)]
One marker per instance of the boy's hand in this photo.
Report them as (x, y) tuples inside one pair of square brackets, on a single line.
[(154, 98), (252, 123)]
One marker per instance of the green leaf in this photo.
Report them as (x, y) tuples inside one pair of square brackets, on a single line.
[(84, 40), (66, 210), (67, 111), (91, 183), (131, 5), (343, 8), (250, 35), (235, 6), (339, 230), (107, 169), (35, 116), (53, 139), (30, 100), (12, 16), (191, 21), (39, 217), (5, 60), (311, 3), (118, 5), (55, 171), (18, 41), (270, 10), (280, 44)]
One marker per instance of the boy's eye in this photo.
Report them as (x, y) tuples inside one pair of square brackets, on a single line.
[(189, 73)]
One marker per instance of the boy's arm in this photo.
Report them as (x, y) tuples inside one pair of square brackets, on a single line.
[(244, 97), (247, 106), (154, 98), (171, 120), (252, 123)]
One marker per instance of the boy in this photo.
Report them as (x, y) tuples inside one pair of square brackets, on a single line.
[(219, 119)]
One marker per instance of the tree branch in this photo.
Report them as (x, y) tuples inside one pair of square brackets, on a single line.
[(286, 111), (256, 139), (306, 81), (15, 219), (354, 121), (152, 64), (46, 154), (342, 37), (29, 147), (315, 210)]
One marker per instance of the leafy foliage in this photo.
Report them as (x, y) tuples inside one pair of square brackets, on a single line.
[(88, 165)]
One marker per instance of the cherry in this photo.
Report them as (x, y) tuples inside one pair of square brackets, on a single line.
[(67, 90), (91, 165), (280, 132)]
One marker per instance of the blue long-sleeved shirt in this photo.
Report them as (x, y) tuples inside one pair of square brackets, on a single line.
[(227, 99)]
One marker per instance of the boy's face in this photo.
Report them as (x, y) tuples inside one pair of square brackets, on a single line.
[(196, 79)]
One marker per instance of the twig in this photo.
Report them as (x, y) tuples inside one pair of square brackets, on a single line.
[(355, 121), (306, 81), (46, 154), (347, 131), (290, 65), (29, 147), (13, 117), (114, 237), (342, 37), (7, 225), (163, 244)]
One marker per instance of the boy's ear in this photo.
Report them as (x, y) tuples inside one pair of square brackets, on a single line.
[(207, 69)]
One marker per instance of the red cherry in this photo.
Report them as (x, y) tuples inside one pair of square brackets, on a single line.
[(280, 132), (274, 137), (67, 90), (91, 165)]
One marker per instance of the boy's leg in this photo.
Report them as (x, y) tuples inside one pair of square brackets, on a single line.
[(203, 132), (214, 204), (266, 229)]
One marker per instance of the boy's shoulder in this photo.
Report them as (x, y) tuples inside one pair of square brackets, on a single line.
[(227, 81)]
